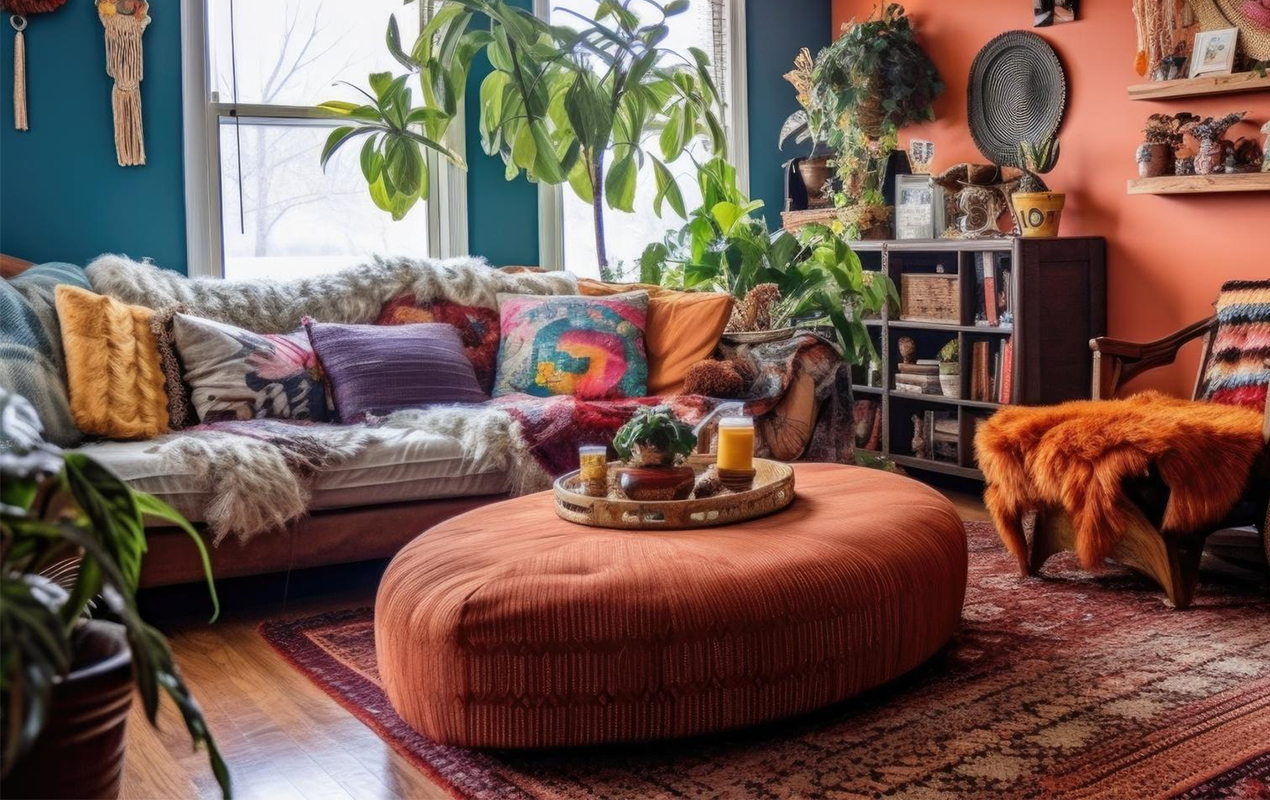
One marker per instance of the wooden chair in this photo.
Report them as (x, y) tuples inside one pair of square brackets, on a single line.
[(1172, 561)]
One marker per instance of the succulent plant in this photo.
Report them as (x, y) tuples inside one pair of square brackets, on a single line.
[(1036, 159)]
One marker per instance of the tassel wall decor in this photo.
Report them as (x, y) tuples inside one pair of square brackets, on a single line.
[(19, 11), (125, 21)]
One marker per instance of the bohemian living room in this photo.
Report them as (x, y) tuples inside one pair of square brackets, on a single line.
[(586, 399)]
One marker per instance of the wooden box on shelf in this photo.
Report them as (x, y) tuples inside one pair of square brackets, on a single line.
[(1030, 347)]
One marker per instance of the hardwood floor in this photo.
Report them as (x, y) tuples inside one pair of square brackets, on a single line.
[(283, 738)]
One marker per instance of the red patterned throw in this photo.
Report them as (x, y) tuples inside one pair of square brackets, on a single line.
[(1081, 687)]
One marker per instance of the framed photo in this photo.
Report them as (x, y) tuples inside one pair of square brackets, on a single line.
[(919, 207), (1214, 52), (1053, 12)]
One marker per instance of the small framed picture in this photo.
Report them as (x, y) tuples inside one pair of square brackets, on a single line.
[(919, 207), (1052, 12), (1214, 52)]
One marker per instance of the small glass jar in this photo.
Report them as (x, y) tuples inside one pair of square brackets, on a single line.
[(593, 466)]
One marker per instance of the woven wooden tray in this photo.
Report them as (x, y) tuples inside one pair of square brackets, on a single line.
[(773, 490)]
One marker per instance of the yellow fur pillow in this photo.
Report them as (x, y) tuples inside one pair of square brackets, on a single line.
[(112, 366)]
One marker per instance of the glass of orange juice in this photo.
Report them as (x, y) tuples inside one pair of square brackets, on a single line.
[(736, 451)]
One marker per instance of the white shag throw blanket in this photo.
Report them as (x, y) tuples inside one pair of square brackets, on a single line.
[(239, 463), (353, 296)]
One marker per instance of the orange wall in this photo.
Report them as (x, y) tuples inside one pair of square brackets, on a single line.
[(1166, 256)]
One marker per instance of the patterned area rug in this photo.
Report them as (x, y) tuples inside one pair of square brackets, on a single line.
[(1070, 687)]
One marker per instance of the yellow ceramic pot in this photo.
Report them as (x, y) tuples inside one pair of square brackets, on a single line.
[(1039, 213)]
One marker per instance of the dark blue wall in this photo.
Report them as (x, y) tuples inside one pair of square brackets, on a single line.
[(64, 198)]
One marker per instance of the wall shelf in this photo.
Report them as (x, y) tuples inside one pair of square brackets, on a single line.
[(1201, 86), (1201, 184)]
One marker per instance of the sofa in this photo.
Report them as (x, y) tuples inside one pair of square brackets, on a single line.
[(397, 480)]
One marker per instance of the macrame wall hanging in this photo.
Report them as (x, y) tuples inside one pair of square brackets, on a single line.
[(19, 11), (125, 21)]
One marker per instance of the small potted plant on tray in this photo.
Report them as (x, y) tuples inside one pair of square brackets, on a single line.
[(72, 538), (651, 445)]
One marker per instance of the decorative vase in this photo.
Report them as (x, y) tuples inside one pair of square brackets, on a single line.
[(950, 384), (1154, 160), (80, 751), (1210, 157), (815, 173), (1039, 213), (657, 483)]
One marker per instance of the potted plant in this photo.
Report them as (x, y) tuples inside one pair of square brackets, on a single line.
[(810, 124), (651, 444), (71, 541), (545, 108), (1209, 132), (1037, 209), (726, 247), (950, 369), (872, 81), (1163, 136)]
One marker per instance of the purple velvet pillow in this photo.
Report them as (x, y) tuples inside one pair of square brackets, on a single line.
[(376, 369)]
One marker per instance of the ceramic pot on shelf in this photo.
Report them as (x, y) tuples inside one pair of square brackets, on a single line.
[(1154, 160), (1038, 213), (815, 173)]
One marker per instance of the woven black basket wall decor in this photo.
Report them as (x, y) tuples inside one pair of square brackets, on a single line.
[(1017, 93)]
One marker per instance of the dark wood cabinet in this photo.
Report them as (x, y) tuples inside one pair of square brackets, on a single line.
[(1050, 300)]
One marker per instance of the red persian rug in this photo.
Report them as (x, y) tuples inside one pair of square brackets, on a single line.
[(1073, 687)]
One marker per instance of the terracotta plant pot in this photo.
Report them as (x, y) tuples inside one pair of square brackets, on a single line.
[(660, 483), (1039, 213), (80, 752), (1154, 160), (815, 173)]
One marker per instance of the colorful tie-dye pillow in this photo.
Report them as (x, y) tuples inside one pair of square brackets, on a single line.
[(236, 374), (588, 347)]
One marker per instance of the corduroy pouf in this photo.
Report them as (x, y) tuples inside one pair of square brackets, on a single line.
[(508, 627)]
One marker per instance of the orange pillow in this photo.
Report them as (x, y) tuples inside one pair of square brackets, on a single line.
[(116, 384), (682, 329)]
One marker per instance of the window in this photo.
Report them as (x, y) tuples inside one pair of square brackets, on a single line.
[(566, 230), (259, 205)]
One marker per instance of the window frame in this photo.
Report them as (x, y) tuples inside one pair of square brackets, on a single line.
[(202, 113), (736, 122)]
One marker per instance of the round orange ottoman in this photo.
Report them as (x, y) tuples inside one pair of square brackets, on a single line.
[(509, 627)]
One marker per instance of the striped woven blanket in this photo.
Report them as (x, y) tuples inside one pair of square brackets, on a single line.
[(1238, 372)]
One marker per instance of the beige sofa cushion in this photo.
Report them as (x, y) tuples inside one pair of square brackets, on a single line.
[(398, 466)]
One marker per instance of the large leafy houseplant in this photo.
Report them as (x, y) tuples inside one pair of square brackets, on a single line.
[(872, 81), (61, 508), (725, 247), (580, 105)]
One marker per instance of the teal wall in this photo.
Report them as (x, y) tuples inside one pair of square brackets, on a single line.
[(64, 198)]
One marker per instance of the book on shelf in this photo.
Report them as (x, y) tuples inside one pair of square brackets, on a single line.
[(919, 368), (1005, 385), (935, 435), (922, 384), (866, 416), (993, 290), (980, 377)]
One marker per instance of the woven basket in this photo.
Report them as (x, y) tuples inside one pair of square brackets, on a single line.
[(793, 220), (930, 298)]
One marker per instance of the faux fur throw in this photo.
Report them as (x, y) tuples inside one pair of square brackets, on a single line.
[(1078, 455), (354, 295)]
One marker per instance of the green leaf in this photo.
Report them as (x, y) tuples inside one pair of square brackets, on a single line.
[(150, 505), (675, 7), (667, 190), (393, 40), (672, 140), (580, 181), (725, 215), (379, 83), (524, 148), (547, 165), (338, 138), (619, 184)]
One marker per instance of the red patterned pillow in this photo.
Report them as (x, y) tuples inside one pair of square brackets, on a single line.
[(478, 329)]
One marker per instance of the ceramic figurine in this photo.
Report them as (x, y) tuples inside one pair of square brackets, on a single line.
[(908, 350)]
